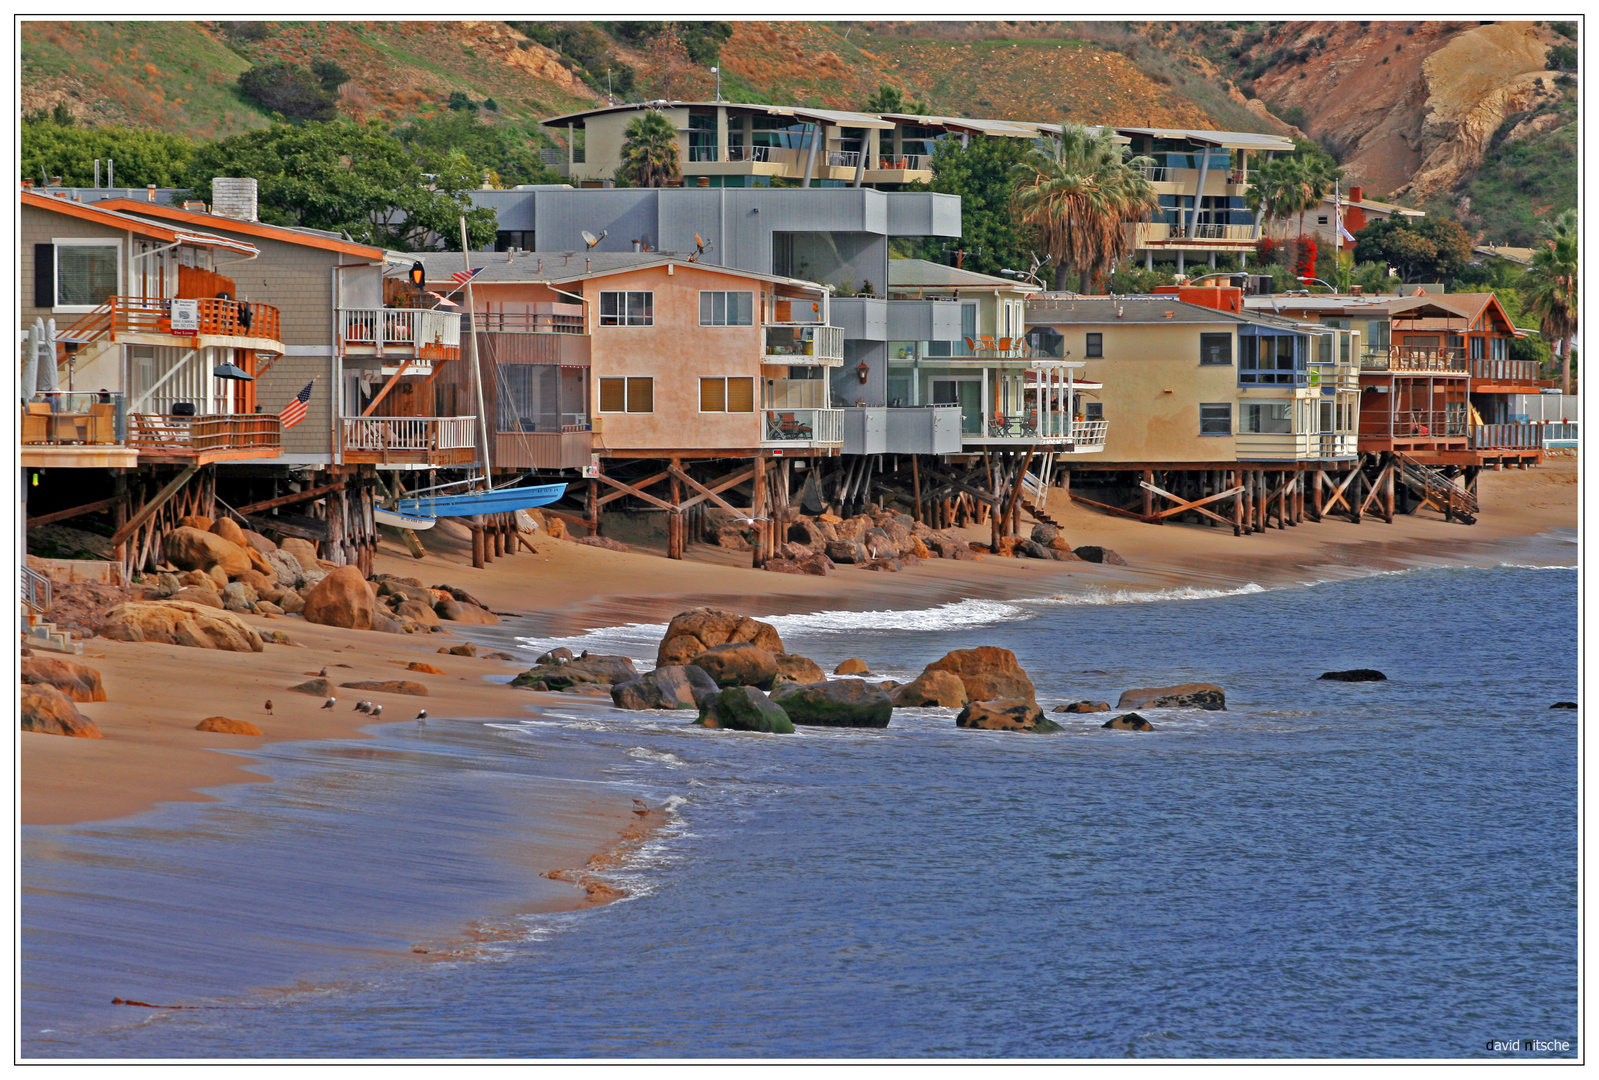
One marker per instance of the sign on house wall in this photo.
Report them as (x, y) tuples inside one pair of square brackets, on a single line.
[(185, 316)]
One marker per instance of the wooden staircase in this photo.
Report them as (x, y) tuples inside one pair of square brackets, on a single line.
[(1032, 496), (1435, 490)]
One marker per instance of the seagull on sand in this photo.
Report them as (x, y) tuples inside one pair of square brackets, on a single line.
[(269, 705), (375, 710), (641, 808), (363, 706), (328, 704), (422, 717)]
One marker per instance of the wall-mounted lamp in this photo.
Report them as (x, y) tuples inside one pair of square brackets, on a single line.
[(863, 370)]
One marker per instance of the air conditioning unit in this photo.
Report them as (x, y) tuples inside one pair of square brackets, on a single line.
[(597, 424)]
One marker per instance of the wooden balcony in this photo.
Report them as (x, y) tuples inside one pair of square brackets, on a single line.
[(234, 322), (1507, 437), (1442, 361), (67, 430), (409, 440), (200, 440), (1504, 376), (1227, 238)]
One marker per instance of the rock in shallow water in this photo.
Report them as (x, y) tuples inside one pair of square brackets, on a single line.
[(670, 687), (1196, 695), (845, 703), (744, 708), (1084, 707), (1355, 675), (1014, 714), (1130, 722)]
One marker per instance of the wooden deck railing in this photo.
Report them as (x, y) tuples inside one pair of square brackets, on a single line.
[(147, 315), (190, 435), (1505, 371), (1507, 437), (1398, 359)]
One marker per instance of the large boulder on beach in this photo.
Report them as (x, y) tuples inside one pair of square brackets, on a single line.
[(744, 708), (815, 565), (302, 551), (848, 551), (692, 632), (223, 725), (987, 673), (797, 669), (1045, 534), (192, 549), (844, 703), (455, 611), (175, 622), (1128, 722), (1006, 714), (316, 687), (44, 710), (738, 664), (80, 682), (286, 569), (388, 686), (599, 671), (1194, 695), (230, 531), (259, 542), (852, 666), (1095, 553), (931, 689), (675, 686), (340, 599), (1355, 675)]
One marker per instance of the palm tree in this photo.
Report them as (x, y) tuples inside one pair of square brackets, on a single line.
[(649, 154), (1269, 190), (1081, 196), (1550, 285)]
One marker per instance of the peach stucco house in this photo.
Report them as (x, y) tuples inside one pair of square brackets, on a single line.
[(645, 355)]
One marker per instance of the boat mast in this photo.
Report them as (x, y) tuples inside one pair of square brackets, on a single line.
[(477, 362)]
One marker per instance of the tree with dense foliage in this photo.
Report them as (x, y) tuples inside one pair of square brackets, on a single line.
[(1424, 249), (1551, 288), (981, 174), (509, 152), (69, 151), (330, 73), (289, 90), (649, 151), (350, 178), (1082, 197), (670, 73), (889, 99)]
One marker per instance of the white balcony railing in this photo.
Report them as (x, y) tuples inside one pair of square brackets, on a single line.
[(844, 159), (804, 343), (1089, 432), (421, 332), (409, 433), (1160, 232), (803, 427)]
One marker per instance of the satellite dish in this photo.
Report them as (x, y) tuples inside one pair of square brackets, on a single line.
[(590, 239)]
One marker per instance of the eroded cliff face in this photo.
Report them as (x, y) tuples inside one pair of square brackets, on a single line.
[(1411, 105)]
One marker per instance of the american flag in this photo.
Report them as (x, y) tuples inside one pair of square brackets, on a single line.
[(294, 411), (461, 277)]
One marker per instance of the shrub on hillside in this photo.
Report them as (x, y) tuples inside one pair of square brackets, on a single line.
[(288, 89)]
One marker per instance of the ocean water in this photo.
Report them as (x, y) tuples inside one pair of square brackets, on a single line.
[(1325, 870)]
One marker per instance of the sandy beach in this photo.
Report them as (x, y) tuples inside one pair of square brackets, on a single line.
[(152, 754)]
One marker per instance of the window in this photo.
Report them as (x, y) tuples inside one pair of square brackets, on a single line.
[(1327, 422), (1216, 349), (1272, 418), (518, 239), (1270, 359), (1093, 410), (718, 394), (1478, 348), (627, 309), (1322, 220), (1095, 346), (1496, 348), (86, 272), (1216, 419), (627, 395), (727, 308)]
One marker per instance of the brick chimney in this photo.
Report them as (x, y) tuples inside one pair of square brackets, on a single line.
[(234, 197)]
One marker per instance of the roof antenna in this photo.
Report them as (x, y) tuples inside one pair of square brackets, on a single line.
[(700, 247)]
